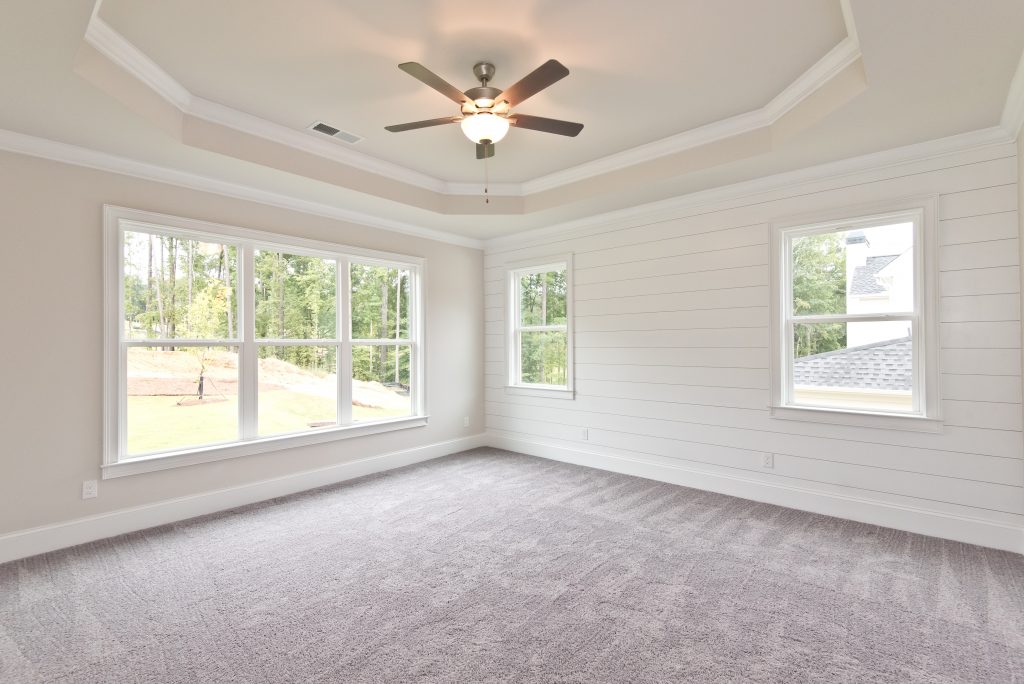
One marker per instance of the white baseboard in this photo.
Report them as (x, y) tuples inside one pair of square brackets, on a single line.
[(30, 542), (932, 523), (36, 540)]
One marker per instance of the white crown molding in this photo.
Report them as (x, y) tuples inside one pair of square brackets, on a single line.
[(118, 50), (851, 25), (123, 53), (789, 180), (1013, 112), (841, 56), (21, 143)]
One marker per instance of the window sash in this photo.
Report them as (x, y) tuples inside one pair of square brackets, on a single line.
[(789, 320), (246, 342), (517, 328)]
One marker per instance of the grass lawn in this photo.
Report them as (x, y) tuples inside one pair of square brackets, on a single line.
[(157, 423)]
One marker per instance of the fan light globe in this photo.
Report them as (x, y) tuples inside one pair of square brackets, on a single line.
[(485, 126)]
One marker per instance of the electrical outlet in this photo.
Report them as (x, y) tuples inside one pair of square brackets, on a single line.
[(586, 434), (465, 422), (768, 461), (90, 489)]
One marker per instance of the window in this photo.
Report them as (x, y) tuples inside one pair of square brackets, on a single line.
[(852, 333), (223, 341), (540, 332)]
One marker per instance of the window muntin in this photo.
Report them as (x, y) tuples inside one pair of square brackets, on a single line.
[(540, 332), (852, 316), (243, 338)]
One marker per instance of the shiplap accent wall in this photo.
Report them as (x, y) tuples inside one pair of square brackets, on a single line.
[(672, 346)]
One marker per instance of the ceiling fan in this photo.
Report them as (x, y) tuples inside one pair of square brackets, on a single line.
[(485, 112)]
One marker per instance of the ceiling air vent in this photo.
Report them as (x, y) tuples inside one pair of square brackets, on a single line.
[(327, 129)]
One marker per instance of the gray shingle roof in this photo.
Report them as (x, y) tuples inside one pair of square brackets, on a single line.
[(886, 365), (864, 281)]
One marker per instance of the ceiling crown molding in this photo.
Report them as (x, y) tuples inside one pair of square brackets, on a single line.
[(789, 182), (824, 70), (43, 148), (123, 53), (118, 50), (1013, 112)]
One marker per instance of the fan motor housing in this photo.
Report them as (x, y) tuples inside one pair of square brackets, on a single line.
[(484, 72), (483, 92)]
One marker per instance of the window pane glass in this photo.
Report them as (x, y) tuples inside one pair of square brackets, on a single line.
[(860, 366), (380, 302), (298, 389), (295, 296), (542, 298), (381, 382), (531, 299), (176, 288), (868, 270), (554, 285), (544, 358), (179, 398)]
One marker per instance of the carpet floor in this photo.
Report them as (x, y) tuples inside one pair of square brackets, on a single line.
[(489, 566)]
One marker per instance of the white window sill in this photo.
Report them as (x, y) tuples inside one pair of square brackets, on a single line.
[(549, 391), (882, 421), (220, 452)]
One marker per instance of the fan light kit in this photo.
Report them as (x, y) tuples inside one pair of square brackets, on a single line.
[(485, 127), (485, 112)]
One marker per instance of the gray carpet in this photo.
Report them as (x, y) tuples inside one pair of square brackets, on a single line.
[(494, 567)]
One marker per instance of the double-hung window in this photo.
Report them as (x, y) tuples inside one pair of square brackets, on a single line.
[(540, 327), (224, 341), (852, 324)]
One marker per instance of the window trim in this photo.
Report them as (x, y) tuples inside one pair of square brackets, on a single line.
[(118, 219), (923, 211), (513, 359)]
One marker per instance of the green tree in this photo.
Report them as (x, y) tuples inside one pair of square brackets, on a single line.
[(819, 287), (380, 311)]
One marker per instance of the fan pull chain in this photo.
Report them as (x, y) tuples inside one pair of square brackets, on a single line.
[(487, 183)]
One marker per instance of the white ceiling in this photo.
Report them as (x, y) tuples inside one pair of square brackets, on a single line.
[(934, 68), (636, 77)]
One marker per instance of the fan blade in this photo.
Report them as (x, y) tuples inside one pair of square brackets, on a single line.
[(539, 123), (422, 73), (537, 80), (398, 128), (484, 151)]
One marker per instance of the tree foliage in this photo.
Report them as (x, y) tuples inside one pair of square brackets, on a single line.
[(380, 311), (295, 299), (544, 354), (819, 287), (175, 288)]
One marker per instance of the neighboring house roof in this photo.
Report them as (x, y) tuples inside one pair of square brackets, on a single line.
[(864, 280), (886, 365)]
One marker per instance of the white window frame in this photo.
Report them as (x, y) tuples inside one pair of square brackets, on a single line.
[(514, 327), (921, 211), (117, 220)]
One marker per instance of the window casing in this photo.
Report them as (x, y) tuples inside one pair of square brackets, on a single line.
[(862, 353), (540, 328), (276, 362)]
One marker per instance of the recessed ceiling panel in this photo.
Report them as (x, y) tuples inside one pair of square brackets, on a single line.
[(639, 71)]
